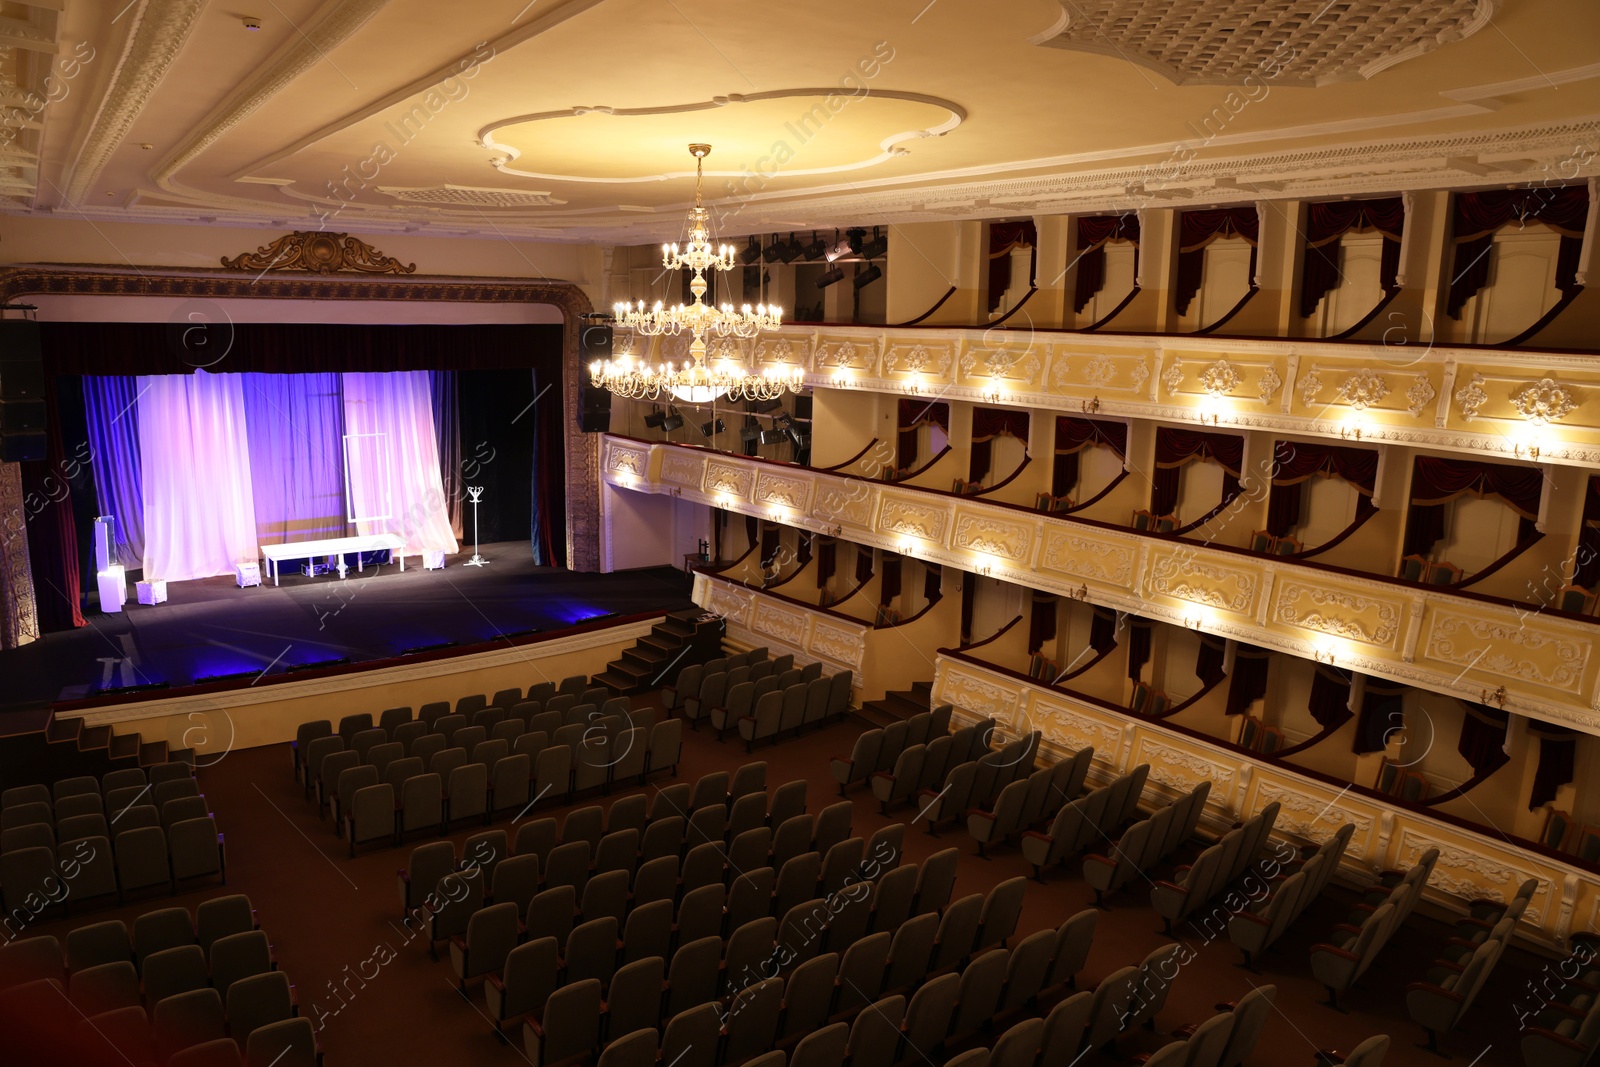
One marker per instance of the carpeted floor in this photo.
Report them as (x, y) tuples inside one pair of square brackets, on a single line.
[(331, 918)]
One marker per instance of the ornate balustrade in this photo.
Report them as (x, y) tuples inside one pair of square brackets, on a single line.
[(1539, 663)]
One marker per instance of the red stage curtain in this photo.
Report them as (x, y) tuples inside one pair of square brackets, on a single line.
[(893, 572), (1175, 448), (1248, 682), (1041, 620), (1483, 732), (1003, 237), (1586, 561), (1435, 481), (1197, 230), (1294, 462), (1093, 233), (1558, 748), (1327, 222), (987, 424), (1382, 712), (1139, 634), (914, 414), (1476, 217)]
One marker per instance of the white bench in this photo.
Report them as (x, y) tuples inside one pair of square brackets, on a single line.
[(333, 546)]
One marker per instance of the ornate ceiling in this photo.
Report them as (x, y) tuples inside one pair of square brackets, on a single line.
[(568, 119)]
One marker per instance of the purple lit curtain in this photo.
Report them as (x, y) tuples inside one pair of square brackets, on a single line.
[(1476, 216), (1483, 738), (199, 511), (914, 414), (1326, 223), (1382, 713), (1094, 231), (1072, 437), (396, 412), (1294, 462), (1248, 681), (1197, 230), (111, 414), (1558, 750), (1140, 632), (447, 432), (1041, 620), (294, 425), (1003, 237), (1176, 448), (1435, 481), (987, 424)]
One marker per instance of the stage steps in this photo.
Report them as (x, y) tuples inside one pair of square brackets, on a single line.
[(64, 747), (679, 639), (897, 705)]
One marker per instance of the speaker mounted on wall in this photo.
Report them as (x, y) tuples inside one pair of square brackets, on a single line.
[(594, 404)]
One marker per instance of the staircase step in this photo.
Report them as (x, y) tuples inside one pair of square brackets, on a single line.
[(94, 738), (152, 752), (617, 683), (124, 746), (905, 703), (646, 656), (923, 690), (628, 669), (875, 713), (63, 729)]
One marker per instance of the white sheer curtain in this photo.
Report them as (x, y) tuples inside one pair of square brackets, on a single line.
[(199, 513), (393, 468)]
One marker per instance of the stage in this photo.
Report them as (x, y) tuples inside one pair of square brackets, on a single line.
[(209, 628)]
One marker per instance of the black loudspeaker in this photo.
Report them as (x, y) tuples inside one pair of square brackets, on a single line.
[(21, 416), (21, 365), (21, 447), (594, 404)]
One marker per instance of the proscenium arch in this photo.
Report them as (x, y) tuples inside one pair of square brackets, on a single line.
[(582, 450)]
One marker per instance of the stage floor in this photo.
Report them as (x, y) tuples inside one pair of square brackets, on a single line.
[(210, 627)]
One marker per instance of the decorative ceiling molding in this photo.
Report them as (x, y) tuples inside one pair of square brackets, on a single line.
[(469, 196), (304, 50), (889, 147), (159, 31), (319, 253), (1289, 42)]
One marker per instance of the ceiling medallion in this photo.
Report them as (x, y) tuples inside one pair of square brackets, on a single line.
[(695, 381), (320, 253)]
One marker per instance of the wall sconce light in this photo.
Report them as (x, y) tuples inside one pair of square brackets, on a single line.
[(1211, 409), (1191, 622), (906, 546), (1498, 697), (1353, 428), (1091, 407), (1324, 652), (1080, 593), (913, 388)]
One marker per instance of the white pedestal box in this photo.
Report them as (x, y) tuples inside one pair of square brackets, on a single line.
[(247, 573), (433, 560), (152, 592), (113, 583)]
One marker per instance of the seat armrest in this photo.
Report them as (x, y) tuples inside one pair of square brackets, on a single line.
[(1438, 991), (1334, 950)]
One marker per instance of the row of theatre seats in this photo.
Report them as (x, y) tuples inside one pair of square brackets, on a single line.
[(759, 697), (376, 793), (179, 988), (86, 839)]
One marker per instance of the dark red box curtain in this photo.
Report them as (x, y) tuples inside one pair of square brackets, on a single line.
[(1197, 229), (1558, 747), (1483, 738), (1293, 462), (987, 424), (1586, 560), (893, 571), (1073, 435), (1248, 681), (1476, 216), (1435, 481), (1003, 237), (1327, 222), (1176, 448), (1041, 620), (914, 414), (1094, 231)]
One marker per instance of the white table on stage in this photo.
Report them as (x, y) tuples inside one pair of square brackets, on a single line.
[(333, 546)]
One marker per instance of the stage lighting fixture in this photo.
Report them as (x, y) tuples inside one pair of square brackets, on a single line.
[(750, 433), (868, 276), (672, 422), (236, 676), (602, 616), (752, 251), (773, 250), (441, 646), (784, 421), (878, 246), (838, 248), (711, 429), (802, 441), (765, 406), (321, 663), (773, 437), (816, 249), (790, 250), (857, 236), (831, 276), (655, 419), (515, 634)]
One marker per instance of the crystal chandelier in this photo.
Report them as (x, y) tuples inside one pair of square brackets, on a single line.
[(696, 381)]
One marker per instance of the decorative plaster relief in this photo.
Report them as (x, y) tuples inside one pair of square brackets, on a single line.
[(1339, 613), (1526, 650), (927, 521), (1087, 557), (984, 534), (682, 468), (783, 489), (727, 478), (1184, 577)]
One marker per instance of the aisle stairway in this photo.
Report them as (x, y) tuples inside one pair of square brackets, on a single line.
[(679, 639), (65, 747), (897, 704)]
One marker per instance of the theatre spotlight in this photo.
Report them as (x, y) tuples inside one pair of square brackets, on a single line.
[(785, 420), (831, 276), (750, 432), (752, 251), (765, 406), (838, 248), (773, 249), (655, 419), (790, 250), (817, 248), (672, 422), (711, 429), (868, 276), (802, 441), (857, 236), (774, 437), (878, 246)]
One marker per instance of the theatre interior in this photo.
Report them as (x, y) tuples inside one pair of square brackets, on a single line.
[(623, 533)]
